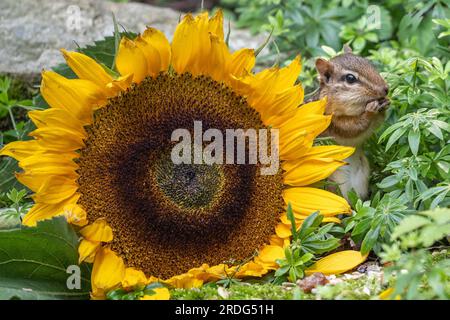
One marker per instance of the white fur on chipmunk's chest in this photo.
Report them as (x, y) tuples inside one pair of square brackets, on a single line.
[(354, 175)]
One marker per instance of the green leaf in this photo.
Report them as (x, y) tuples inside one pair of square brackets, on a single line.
[(436, 131), (388, 182), (362, 226), (309, 224), (34, 262), (291, 217), (394, 137), (306, 257), (414, 141), (370, 239)]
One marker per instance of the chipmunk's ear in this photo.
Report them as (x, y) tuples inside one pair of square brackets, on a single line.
[(346, 48), (325, 68)]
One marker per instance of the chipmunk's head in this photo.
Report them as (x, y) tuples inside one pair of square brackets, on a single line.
[(350, 82)]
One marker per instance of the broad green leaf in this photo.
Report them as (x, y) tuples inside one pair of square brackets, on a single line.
[(34, 262)]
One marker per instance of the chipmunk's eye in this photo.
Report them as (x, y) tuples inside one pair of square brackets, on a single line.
[(350, 78)]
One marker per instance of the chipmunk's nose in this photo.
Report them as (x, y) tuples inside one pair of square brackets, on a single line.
[(386, 90)]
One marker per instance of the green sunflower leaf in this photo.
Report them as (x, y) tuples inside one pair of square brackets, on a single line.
[(42, 263)]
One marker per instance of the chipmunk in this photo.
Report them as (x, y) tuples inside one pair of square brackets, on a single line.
[(357, 98)]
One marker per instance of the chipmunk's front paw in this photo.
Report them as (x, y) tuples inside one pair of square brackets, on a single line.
[(377, 106)]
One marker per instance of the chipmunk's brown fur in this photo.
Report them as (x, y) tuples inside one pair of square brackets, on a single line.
[(357, 98)]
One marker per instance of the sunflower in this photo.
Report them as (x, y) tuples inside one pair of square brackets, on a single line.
[(100, 156)]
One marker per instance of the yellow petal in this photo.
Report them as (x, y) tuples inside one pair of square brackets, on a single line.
[(50, 164), (87, 250), (288, 75), (185, 45), (311, 171), (203, 45), (251, 269), (261, 88), (337, 263), (331, 219), (42, 211), (313, 124), (36, 178), (20, 150), (185, 281), (32, 181), (56, 118), (276, 241), (75, 214), (333, 152), (242, 61), (295, 145), (131, 60), (121, 83), (107, 273), (160, 294), (77, 96), (152, 57), (283, 230), (314, 107), (284, 102), (267, 256), (308, 200), (218, 59), (59, 138), (86, 68), (158, 40), (55, 189), (319, 152), (133, 278), (98, 231), (215, 25)]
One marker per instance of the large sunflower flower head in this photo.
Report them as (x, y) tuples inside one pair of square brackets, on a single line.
[(101, 156)]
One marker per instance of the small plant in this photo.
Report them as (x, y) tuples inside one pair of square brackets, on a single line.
[(310, 241), (373, 221), (415, 272), (135, 293), (15, 207), (7, 105), (359, 34)]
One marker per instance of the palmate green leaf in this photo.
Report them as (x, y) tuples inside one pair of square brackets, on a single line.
[(34, 262)]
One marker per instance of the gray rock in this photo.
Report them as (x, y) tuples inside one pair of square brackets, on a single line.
[(33, 31)]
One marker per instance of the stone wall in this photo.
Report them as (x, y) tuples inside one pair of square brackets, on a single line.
[(33, 31)]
